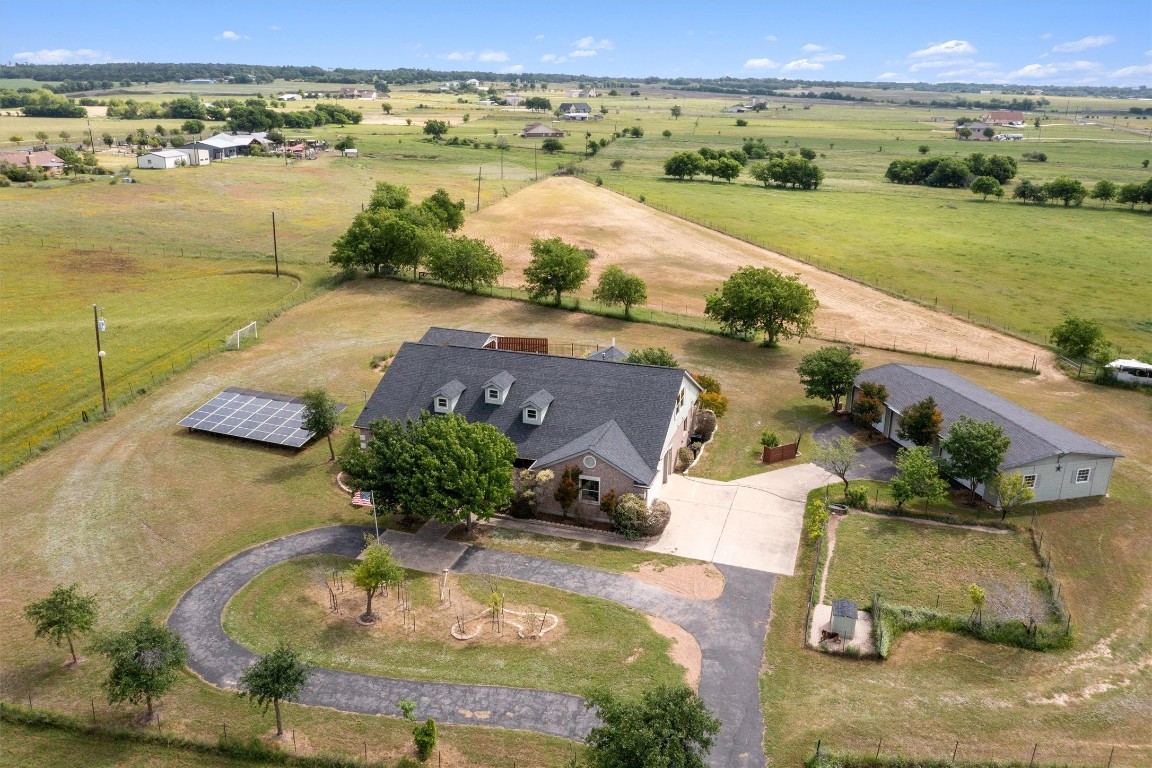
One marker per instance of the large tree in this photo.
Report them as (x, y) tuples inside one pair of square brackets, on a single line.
[(390, 197), (868, 405), (277, 677), (464, 262), (552, 146), (436, 128), (918, 477), (320, 415), (556, 268), (1104, 191), (146, 661), (985, 185), (666, 727), (653, 356), (761, 299), (376, 239), (921, 422), (837, 456), (442, 212), (974, 450), (65, 612), (683, 164), (617, 287), (1078, 337), (374, 571), (1067, 189), (828, 373)]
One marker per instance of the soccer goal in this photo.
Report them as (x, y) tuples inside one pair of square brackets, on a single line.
[(247, 332)]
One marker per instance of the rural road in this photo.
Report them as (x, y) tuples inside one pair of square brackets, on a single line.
[(730, 631)]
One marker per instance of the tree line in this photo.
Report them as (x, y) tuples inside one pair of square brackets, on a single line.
[(794, 168), (1073, 192), (951, 171)]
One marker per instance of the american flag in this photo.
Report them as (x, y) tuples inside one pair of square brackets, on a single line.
[(362, 498)]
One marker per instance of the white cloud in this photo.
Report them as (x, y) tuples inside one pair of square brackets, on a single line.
[(770, 38), (802, 64), (591, 43), (829, 57), (230, 36), (1036, 71), (551, 58), (514, 69), (539, 37), (63, 56), (274, 28), (1139, 69), (1083, 44), (459, 55), (950, 48), (1046, 36), (582, 53), (760, 64), (813, 48), (938, 64), (492, 56), (889, 76)]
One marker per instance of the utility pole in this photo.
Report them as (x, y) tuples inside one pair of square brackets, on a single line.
[(92, 140), (275, 248), (100, 357), (478, 177), (535, 165)]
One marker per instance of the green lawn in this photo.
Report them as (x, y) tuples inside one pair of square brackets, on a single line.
[(21, 746), (911, 563), (598, 645)]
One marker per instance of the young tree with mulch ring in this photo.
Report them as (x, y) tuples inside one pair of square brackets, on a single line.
[(374, 571), (146, 662)]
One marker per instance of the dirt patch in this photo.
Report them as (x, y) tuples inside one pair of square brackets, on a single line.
[(685, 651), (683, 261), (698, 581), (92, 262)]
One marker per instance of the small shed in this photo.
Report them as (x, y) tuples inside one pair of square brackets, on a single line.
[(162, 159), (843, 619), (1131, 371)]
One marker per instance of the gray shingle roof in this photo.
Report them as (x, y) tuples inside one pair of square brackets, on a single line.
[(501, 381), (608, 442), (451, 390), (1034, 437), (844, 608), (454, 338), (587, 395), (612, 354), (539, 400)]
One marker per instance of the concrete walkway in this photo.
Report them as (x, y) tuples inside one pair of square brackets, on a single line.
[(730, 631)]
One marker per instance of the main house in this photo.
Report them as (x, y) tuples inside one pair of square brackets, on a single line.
[(223, 146), (621, 424), (1056, 462)]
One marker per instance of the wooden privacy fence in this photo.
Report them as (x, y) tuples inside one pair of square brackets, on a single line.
[(779, 453)]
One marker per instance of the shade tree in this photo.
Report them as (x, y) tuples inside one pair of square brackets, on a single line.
[(464, 262), (1078, 337), (279, 676), (145, 663), (619, 288), (918, 477), (556, 268), (921, 422), (65, 613), (666, 727), (829, 373), (653, 356), (836, 456), (974, 449), (762, 300)]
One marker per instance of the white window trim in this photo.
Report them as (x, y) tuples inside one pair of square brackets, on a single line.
[(531, 415), (580, 485), (1030, 480), (1087, 475), (442, 405), (492, 395)]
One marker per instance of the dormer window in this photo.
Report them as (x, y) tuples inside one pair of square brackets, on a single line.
[(444, 399), (535, 408), (496, 388)]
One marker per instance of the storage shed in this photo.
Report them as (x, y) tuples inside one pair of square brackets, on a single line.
[(843, 619)]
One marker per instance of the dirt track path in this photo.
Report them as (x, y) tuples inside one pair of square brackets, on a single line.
[(683, 261)]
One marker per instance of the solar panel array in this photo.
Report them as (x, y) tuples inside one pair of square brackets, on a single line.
[(252, 415)]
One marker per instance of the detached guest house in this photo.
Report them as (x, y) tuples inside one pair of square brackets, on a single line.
[(620, 424), (1056, 462)]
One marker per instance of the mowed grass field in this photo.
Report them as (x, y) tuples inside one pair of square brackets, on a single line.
[(141, 529)]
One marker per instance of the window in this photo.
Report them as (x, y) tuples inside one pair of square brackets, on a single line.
[(531, 414), (493, 395), (1083, 475), (1029, 481), (590, 489), (590, 462), (441, 404)]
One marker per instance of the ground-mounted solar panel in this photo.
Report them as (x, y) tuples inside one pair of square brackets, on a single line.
[(252, 415)]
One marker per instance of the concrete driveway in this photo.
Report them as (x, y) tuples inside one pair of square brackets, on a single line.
[(754, 522)]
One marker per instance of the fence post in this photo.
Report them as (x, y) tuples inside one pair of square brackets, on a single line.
[(1032, 761)]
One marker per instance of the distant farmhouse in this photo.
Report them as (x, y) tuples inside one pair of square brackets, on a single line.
[(540, 131), (164, 159), (579, 110), (1004, 117), (36, 158), (223, 146), (620, 424), (1056, 462)]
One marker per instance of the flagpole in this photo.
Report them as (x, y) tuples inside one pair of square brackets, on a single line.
[(375, 519)]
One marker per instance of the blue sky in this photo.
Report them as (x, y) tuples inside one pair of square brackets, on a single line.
[(1018, 41)]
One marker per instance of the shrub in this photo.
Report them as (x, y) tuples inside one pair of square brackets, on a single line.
[(704, 424), (715, 402), (656, 520), (707, 383), (857, 498), (769, 439), (741, 123), (599, 181), (609, 503), (628, 516), (684, 459), (425, 738)]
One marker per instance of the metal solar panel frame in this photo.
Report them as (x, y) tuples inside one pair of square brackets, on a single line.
[(250, 414)]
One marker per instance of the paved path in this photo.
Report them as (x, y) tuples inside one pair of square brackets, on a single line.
[(730, 631)]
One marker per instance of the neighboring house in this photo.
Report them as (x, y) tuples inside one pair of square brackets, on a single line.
[(620, 424), (163, 159), (513, 99), (200, 81), (37, 158), (288, 97), (541, 131), (356, 93), (977, 131), (612, 354), (1004, 117), (575, 108), (1056, 462), (1131, 371), (223, 146), (472, 82), (738, 109)]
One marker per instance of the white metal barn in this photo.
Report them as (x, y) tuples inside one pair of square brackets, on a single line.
[(163, 159), (1056, 462)]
